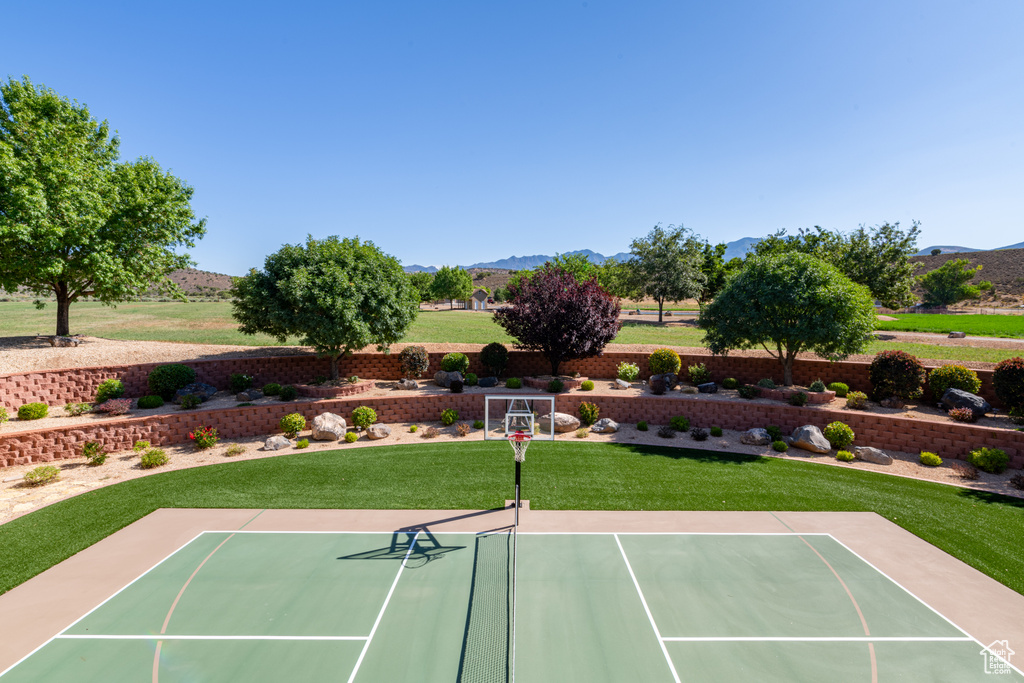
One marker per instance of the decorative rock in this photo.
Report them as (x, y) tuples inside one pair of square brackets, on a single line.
[(563, 422), (756, 437), (248, 395), (622, 384), (690, 390), (708, 388), (892, 402), (605, 426), (406, 384), (329, 427), (669, 378), (811, 439), (204, 391), (657, 385), (375, 432), (444, 379), (958, 398), (957, 335), (63, 342), (487, 382), (456, 386), (276, 443), (869, 454)]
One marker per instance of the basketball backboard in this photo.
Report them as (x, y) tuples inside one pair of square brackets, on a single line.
[(506, 414)]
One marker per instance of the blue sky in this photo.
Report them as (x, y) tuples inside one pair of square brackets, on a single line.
[(456, 132)]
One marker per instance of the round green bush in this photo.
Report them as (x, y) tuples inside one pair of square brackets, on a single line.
[(641, 426), (153, 458), (839, 434), (589, 413), (272, 389), (555, 386), (680, 423), (953, 377), (33, 411), (470, 379), (749, 392), (992, 460), (190, 402), (930, 459), (110, 388), (351, 437), (291, 424), (164, 380), (857, 400), (664, 360), (716, 431), (798, 399), (628, 372), (817, 386), (455, 362), (43, 474), (302, 443), (494, 357), (730, 383), (774, 432), (587, 385), (415, 360), (780, 446), (840, 389), (513, 383), (478, 424), (150, 402), (699, 373), (363, 416), (766, 383), (1008, 379), (239, 382), (844, 456), (449, 416), (897, 374), (288, 393)]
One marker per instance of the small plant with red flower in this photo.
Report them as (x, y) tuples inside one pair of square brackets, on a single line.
[(204, 437)]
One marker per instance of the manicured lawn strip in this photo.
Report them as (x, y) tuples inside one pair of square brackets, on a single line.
[(984, 530), (980, 325), (928, 351)]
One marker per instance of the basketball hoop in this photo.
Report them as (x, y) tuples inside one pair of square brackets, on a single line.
[(520, 441)]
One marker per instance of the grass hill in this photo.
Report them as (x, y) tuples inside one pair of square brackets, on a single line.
[(200, 282), (1004, 268)]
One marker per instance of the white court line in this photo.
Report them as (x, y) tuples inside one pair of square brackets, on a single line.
[(383, 607), (943, 616), (815, 639), (537, 533), (165, 636), (654, 626), (123, 588)]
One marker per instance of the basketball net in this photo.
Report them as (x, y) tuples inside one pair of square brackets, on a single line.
[(520, 441)]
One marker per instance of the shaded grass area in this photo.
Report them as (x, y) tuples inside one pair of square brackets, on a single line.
[(978, 325), (984, 530)]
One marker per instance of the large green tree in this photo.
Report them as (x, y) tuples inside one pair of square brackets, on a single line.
[(74, 221), (666, 265), (788, 304), (339, 296), (948, 284), (452, 282), (423, 284), (878, 258)]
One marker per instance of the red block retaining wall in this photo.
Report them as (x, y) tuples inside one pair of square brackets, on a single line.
[(58, 387), (948, 439)]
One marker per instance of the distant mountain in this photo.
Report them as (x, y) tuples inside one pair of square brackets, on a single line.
[(1019, 245), (949, 250), (740, 247), (420, 269)]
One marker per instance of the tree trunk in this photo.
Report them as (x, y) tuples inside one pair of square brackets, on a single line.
[(63, 310), (661, 306), (787, 371), (554, 366), (334, 365)]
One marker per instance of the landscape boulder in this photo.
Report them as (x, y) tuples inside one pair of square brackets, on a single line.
[(810, 438), (407, 384), (708, 388), (669, 378), (657, 385), (248, 395), (869, 454), (329, 427), (563, 422), (957, 335), (622, 384), (487, 382), (63, 342), (892, 402), (204, 391), (605, 425), (958, 398), (756, 437), (276, 443), (377, 431), (689, 390), (445, 379)]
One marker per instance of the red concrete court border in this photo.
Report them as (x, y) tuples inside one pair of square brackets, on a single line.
[(33, 612)]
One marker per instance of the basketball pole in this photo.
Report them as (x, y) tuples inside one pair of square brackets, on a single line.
[(518, 474)]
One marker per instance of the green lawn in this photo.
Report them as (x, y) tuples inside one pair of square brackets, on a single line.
[(984, 530), (979, 325), (211, 323)]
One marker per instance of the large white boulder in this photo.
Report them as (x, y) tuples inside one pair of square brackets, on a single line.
[(810, 438), (563, 422), (329, 427)]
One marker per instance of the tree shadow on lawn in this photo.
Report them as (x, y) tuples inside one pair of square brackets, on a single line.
[(715, 457), (992, 498)]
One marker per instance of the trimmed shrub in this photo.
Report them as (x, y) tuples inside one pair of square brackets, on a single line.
[(93, 452), (1008, 379), (641, 426), (780, 446), (589, 413), (288, 393), (587, 385), (798, 399), (140, 446), (354, 379), (114, 406), (455, 386), (33, 411), (109, 388), (896, 373), (839, 434), (953, 377), (271, 389), (664, 360), (749, 392), (302, 443), (699, 373), (857, 400), (961, 414), (817, 386), (666, 432), (414, 428), (555, 386), (462, 429), (363, 416), (471, 379), (774, 432), (190, 401), (699, 434), (239, 382), (844, 456), (841, 389), (582, 433), (455, 362), (153, 458), (478, 424), (43, 474), (164, 380), (351, 437), (494, 357), (414, 361), (513, 383), (291, 424), (716, 431), (628, 372), (449, 416), (76, 409), (233, 450), (730, 383), (431, 432), (930, 459), (964, 471), (766, 383), (680, 423), (151, 402), (4, 417), (203, 437), (992, 460)]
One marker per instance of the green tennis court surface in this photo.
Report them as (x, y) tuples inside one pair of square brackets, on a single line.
[(419, 606)]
